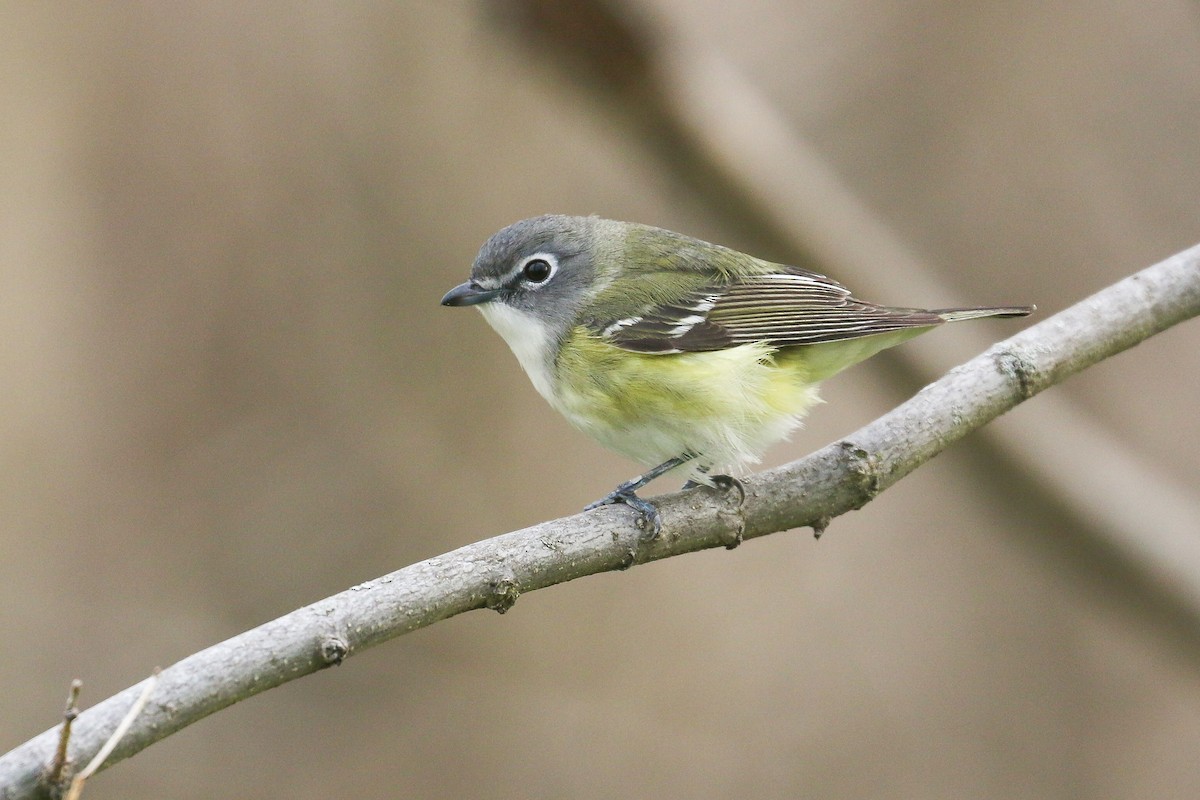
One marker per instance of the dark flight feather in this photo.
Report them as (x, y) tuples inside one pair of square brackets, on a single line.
[(783, 309)]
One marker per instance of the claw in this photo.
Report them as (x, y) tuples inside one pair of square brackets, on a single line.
[(725, 483), (650, 520), (627, 493), (728, 483)]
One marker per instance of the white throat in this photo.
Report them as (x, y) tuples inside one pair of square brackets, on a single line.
[(530, 340)]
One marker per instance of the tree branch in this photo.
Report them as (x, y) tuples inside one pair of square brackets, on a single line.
[(493, 573), (732, 146)]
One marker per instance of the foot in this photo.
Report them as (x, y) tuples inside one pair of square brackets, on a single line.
[(651, 523), (722, 482), (627, 493), (727, 483)]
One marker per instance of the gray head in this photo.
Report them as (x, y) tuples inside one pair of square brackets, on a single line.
[(541, 266), (530, 280)]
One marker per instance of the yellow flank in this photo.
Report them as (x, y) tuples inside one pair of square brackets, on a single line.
[(726, 406), (829, 358)]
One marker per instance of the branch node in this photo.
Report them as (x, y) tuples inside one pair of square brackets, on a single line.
[(819, 525), (733, 498), (739, 531), (503, 594), (55, 773), (334, 650), (862, 465), (629, 559), (1013, 364), (76, 786)]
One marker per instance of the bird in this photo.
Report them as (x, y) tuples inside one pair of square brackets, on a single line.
[(685, 356)]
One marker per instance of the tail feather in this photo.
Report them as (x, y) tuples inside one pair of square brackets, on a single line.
[(955, 314)]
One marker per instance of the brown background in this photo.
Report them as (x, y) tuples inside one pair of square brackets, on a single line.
[(229, 391)]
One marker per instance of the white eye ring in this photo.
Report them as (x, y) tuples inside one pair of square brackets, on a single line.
[(538, 269)]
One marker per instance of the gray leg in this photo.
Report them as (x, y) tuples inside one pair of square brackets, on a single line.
[(627, 493)]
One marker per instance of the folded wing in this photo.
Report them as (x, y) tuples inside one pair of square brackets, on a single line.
[(785, 308)]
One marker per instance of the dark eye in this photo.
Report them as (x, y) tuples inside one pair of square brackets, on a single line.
[(537, 270)]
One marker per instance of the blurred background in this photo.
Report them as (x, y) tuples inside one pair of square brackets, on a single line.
[(229, 389)]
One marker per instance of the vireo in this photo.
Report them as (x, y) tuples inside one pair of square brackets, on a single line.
[(679, 354)]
